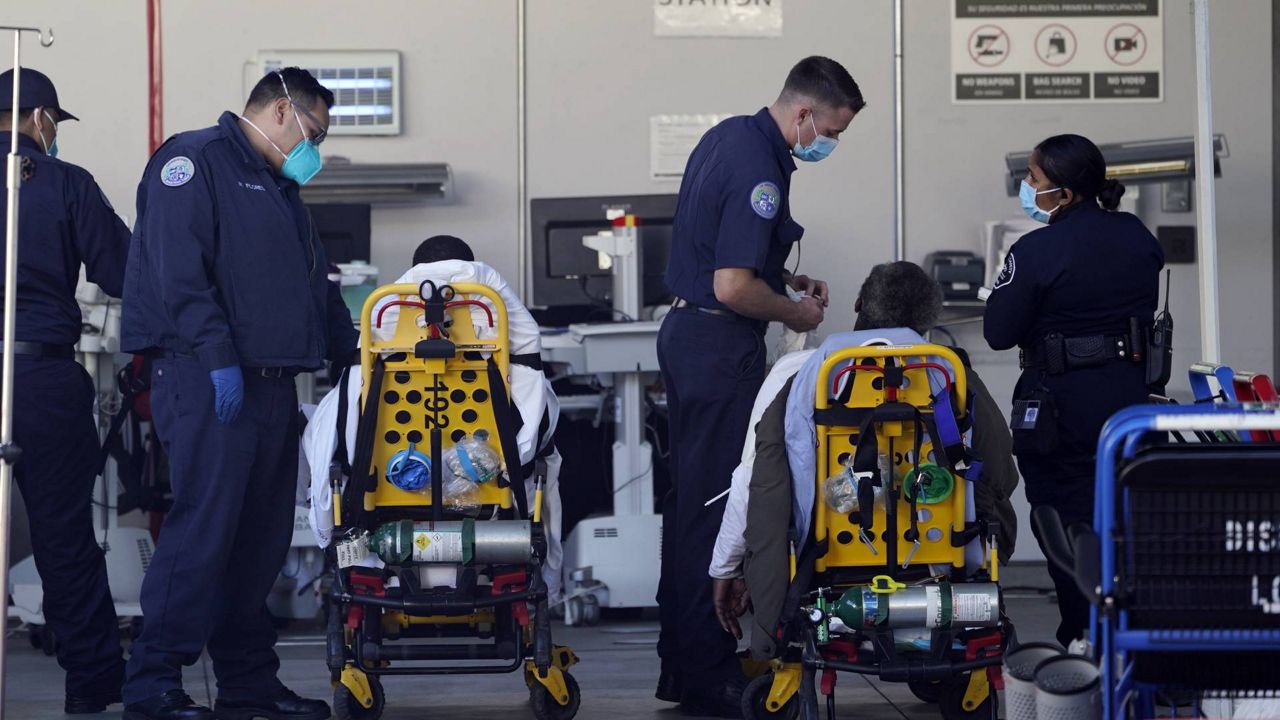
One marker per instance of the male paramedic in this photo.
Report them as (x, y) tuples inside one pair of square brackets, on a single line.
[(65, 221), (227, 290), (731, 237)]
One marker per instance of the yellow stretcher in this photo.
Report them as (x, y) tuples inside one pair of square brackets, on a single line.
[(435, 371), (881, 585)]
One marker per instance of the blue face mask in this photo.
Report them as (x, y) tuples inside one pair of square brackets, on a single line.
[(817, 150), (50, 148), (1027, 196)]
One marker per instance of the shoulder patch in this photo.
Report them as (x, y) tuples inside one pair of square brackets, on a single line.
[(178, 171), (765, 200), (1006, 273)]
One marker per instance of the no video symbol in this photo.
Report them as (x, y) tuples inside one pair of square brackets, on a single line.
[(1126, 44)]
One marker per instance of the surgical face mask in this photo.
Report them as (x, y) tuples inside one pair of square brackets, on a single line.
[(1027, 196), (817, 150), (50, 148)]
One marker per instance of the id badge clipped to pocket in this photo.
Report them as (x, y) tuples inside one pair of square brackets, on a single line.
[(1034, 424)]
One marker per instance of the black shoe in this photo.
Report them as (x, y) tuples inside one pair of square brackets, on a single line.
[(90, 704), (286, 706), (720, 701), (168, 705), (670, 687)]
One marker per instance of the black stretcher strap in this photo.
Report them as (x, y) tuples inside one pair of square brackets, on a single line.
[(364, 477), (509, 423)]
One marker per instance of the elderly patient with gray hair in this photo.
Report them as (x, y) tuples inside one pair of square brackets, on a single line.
[(772, 490)]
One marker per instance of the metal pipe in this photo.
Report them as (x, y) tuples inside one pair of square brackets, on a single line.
[(522, 151), (8, 452), (899, 140), (1206, 209)]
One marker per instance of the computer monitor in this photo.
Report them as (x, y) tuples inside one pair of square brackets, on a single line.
[(344, 231), (567, 274)]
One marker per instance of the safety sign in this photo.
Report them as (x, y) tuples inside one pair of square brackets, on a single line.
[(1036, 51)]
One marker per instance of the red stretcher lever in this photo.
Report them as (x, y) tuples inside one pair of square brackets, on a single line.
[(474, 303), (393, 303), (835, 384), (946, 374)]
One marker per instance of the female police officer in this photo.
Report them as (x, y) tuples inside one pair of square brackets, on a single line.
[(1076, 297)]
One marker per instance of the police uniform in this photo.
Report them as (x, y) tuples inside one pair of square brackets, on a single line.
[(64, 221), (1081, 278), (225, 269), (732, 212)]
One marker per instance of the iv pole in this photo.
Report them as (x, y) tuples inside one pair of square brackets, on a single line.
[(9, 452)]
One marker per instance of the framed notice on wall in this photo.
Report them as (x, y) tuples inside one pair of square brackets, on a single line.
[(717, 18), (1043, 51)]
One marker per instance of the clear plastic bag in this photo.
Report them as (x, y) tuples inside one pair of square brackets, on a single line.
[(468, 464), (841, 491)]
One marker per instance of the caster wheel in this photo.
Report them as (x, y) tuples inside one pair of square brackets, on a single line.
[(545, 707), (347, 707), (591, 610), (951, 701), (755, 702), (574, 609), (929, 691)]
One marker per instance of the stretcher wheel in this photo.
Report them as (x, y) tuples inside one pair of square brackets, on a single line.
[(929, 691), (545, 707), (755, 702), (951, 701), (591, 610), (347, 707), (574, 609)]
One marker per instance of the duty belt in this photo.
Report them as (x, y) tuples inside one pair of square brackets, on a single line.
[(682, 304), (1057, 354), (43, 351)]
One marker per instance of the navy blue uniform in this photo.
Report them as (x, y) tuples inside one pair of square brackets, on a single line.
[(225, 269), (1084, 275), (733, 212), (64, 221)]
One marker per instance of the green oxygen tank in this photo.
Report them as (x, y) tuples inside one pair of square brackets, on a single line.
[(406, 542), (921, 606)]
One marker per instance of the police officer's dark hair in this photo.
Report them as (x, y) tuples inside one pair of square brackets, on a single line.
[(303, 86), (1073, 161), (442, 247), (824, 80), (899, 294)]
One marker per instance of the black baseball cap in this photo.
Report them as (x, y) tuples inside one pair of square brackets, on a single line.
[(35, 89)]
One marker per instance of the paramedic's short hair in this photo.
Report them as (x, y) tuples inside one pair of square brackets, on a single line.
[(303, 87), (899, 294), (442, 247), (824, 81)]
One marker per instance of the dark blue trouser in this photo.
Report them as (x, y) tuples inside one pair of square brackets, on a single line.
[(53, 424), (712, 367), (224, 541), (1064, 480)]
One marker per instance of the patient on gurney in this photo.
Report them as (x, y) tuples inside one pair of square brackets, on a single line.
[(773, 490), (446, 259)]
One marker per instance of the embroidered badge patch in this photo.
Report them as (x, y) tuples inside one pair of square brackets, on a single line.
[(1006, 273), (765, 200), (177, 171)]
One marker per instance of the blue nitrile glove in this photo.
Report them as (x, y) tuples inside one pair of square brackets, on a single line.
[(228, 393)]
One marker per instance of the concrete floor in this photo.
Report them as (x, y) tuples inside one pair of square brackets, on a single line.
[(617, 675)]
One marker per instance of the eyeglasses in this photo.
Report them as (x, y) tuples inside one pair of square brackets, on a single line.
[(322, 133)]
